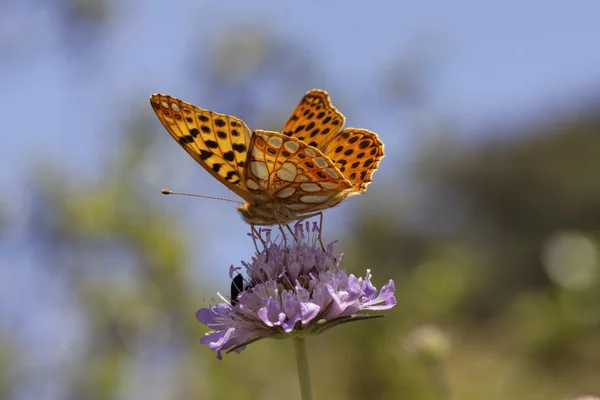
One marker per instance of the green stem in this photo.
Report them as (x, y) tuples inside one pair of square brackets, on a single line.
[(440, 380), (303, 370)]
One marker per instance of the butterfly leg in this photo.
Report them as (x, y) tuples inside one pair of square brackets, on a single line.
[(253, 234), (320, 214), (321, 230), (291, 232), (285, 245), (283, 235), (256, 234)]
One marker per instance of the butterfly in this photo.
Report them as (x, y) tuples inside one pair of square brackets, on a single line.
[(311, 165)]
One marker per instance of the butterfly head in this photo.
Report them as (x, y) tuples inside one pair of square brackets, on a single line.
[(266, 214)]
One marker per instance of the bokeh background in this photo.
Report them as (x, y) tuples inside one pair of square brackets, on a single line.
[(485, 210)]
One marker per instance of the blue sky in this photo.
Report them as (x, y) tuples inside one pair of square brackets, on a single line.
[(494, 64)]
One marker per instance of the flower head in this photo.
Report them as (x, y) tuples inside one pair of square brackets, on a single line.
[(290, 291)]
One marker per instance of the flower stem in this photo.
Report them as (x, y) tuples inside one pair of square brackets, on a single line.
[(303, 370), (440, 380)]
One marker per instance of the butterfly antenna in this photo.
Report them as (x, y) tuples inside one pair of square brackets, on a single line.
[(166, 191)]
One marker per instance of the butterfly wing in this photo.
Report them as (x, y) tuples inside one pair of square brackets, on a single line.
[(356, 153), (293, 174), (218, 142), (315, 120)]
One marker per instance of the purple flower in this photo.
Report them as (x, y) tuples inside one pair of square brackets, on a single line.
[(295, 291)]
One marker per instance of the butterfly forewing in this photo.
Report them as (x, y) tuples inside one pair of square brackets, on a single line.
[(356, 153), (218, 142), (292, 173), (315, 120)]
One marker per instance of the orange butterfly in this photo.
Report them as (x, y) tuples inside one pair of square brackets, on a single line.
[(311, 165)]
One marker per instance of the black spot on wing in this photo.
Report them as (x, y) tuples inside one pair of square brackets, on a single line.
[(229, 156), (240, 148), (211, 144), (205, 154)]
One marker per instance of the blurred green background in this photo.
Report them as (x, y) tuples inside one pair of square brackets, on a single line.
[(485, 210)]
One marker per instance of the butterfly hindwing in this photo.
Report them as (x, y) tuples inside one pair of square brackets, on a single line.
[(218, 142), (356, 153), (292, 173)]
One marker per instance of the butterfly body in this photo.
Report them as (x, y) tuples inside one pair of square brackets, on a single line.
[(308, 167), (267, 214)]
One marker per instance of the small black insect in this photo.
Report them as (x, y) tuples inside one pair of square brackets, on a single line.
[(237, 287)]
